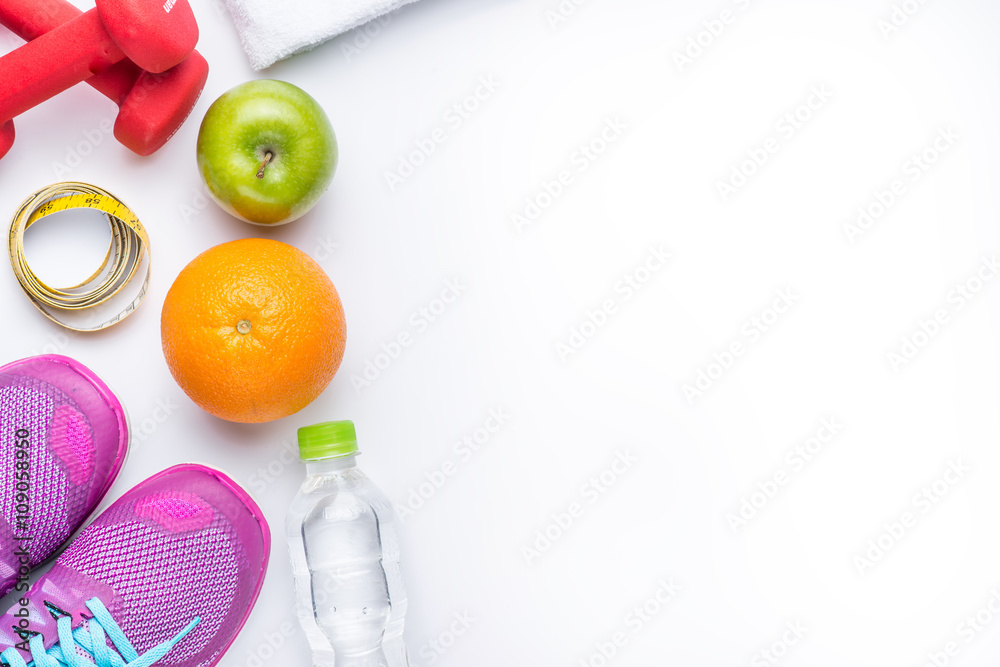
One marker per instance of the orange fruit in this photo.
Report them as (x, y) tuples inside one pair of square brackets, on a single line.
[(253, 330)]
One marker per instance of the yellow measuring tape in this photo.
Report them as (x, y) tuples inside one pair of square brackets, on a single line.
[(129, 246)]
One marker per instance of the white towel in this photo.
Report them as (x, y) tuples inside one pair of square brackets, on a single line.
[(272, 30)]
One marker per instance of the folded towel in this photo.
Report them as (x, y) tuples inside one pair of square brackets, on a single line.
[(272, 30)]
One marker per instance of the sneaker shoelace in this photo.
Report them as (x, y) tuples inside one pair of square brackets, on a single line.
[(93, 640)]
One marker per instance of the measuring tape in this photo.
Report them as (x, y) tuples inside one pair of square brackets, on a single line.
[(129, 246)]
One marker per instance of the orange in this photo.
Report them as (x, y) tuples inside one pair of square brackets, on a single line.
[(253, 330)]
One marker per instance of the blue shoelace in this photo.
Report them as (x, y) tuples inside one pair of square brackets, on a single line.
[(94, 642)]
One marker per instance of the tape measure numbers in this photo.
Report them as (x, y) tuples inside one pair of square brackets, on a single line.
[(129, 246)]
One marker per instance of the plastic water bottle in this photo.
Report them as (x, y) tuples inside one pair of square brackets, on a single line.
[(345, 556)]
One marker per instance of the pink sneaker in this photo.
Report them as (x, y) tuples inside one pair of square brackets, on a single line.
[(167, 575), (64, 439)]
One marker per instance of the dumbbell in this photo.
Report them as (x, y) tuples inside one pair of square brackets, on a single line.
[(152, 106), (6, 137), (155, 35)]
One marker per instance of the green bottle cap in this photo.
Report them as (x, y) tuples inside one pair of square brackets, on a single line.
[(327, 440)]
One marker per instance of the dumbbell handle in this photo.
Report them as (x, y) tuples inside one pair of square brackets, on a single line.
[(30, 19), (51, 63)]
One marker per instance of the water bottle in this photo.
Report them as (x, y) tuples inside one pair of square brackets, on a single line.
[(341, 533)]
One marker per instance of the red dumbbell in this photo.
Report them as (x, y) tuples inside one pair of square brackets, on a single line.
[(152, 106), (155, 35)]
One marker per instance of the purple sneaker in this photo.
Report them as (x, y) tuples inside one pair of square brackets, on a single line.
[(167, 575), (64, 439)]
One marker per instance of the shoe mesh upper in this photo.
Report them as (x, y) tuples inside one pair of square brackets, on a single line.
[(169, 556), (61, 457)]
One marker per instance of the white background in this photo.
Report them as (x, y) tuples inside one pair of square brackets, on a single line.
[(667, 517)]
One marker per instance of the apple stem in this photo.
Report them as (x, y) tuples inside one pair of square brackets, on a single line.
[(263, 165)]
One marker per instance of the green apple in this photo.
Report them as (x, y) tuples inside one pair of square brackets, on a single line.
[(266, 151)]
